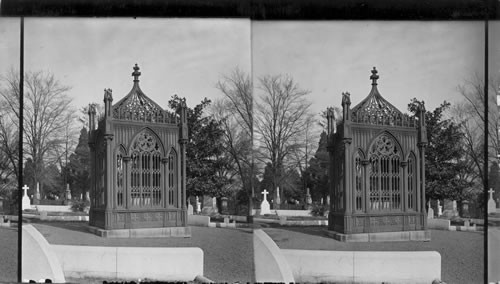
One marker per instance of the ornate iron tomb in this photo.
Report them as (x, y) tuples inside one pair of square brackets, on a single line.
[(377, 177), (137, 156)]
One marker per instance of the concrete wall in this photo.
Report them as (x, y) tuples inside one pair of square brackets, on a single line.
[(363, 266), (273, 264), (280, 212), (198, 220), (270, 265), (302, 213), (42, 260), (52, 208), (39, 260), (131, 263), (438, 224)]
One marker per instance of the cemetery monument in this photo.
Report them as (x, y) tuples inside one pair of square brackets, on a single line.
[(377, 172), (265, 208), (138, 165)]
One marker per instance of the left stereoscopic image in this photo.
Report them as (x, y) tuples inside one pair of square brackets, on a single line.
[(134, 161), (9, 146)]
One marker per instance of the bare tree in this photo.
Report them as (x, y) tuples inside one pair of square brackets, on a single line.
[(236, 113), (471, 115), (9, 153), (47, 114), (283, 113)]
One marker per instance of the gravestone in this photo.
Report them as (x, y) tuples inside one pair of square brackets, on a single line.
[(278, 199), (328, 200), (264, 206), (87, 196), (68, 192), (465, 209), (26, 200), (450, 208), (440, 208), (36, 199), (209, 206), (430, 211), (491, 202), (224, 205), (190, 208), (198, 205), (308, 197)]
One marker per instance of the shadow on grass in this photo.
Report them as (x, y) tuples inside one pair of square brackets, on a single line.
[(67, 225), (319, 231)]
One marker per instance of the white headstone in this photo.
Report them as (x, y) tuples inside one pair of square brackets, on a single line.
[(328, 200), (26, 200), (278, 199), (440, 208), (37, 194), (87, 196), (264, 206), (68, 192), (430, 211), (190, 208), (308, 197), (491, 202), (198, 205)]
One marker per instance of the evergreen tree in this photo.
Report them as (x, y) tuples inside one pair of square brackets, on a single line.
[(318, 171), (204, 152), (445, 163), (79, 166)]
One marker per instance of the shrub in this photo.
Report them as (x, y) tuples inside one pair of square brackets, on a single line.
[(319, 210), (79, 205)]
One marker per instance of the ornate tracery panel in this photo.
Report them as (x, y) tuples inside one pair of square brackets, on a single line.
[(358, 182), (412, 182), (145, 171), (172, 177), (385, 174), (120, 178)]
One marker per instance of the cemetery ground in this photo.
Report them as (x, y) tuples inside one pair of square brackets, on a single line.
[(461, 252), (493, 245), (228, 253), (8, 253)]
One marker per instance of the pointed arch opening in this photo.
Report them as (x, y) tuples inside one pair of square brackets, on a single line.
[(172, 177), (385, 192), (120, 176), (145, 170), (412, 181), (358, 180)]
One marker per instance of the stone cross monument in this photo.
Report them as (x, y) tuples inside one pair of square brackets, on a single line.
[(264, 206), (491, 202), (26, 200)]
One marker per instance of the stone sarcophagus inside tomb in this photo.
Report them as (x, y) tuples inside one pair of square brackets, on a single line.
[(137, 155), (377, 180)]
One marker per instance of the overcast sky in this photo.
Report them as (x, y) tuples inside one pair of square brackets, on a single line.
[(427, 60), (176, 56)]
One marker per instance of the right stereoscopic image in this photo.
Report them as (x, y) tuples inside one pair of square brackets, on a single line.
[(370, 141), (493, 203)]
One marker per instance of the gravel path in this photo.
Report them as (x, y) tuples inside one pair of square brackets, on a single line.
[(8, 254), (461, 252), (228, 253)]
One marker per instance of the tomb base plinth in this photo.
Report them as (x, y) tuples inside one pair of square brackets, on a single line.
[(166, 232), (406, 236)]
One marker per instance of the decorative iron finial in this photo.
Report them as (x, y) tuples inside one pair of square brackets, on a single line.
[(374, 77), (346, 98), (108, 95), (136, 73)]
